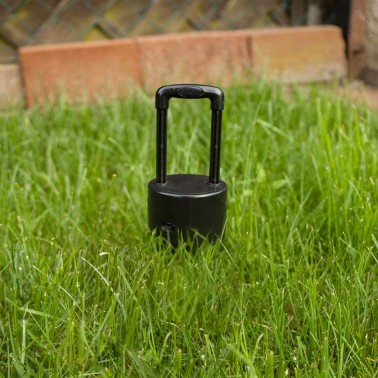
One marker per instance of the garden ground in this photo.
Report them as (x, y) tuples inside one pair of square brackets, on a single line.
[(291, 290)]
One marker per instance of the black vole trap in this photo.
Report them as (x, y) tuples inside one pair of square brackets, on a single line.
[(187, 206)]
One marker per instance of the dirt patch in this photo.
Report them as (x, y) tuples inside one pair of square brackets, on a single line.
[(360, 93)]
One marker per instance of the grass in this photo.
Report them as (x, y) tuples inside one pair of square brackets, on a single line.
[(290, 291)]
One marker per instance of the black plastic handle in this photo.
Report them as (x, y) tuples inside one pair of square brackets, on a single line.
[(188, 91)]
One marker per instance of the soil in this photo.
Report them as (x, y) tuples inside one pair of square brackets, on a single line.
[(360, 93)]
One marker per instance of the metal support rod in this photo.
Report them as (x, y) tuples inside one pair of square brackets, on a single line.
[(216, 122), (161, 146)]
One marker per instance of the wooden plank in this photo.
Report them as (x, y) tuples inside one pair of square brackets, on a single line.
[(298, 12), (356, 38)]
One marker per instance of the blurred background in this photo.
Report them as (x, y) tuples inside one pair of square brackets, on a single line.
[(35, 22), (30, 22)]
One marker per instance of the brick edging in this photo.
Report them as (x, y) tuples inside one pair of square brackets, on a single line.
[(117, 67)]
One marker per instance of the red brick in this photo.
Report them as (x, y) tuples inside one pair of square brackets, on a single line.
[(10, 84), (300, 54), (112, 68), (81, 70), (206, 57)]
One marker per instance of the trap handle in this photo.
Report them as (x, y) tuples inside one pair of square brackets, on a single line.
[(188, 91)]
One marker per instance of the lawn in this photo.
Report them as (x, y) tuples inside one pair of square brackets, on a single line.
[(292, 289)]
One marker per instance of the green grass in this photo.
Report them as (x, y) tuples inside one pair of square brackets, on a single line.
[(291, 290)]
